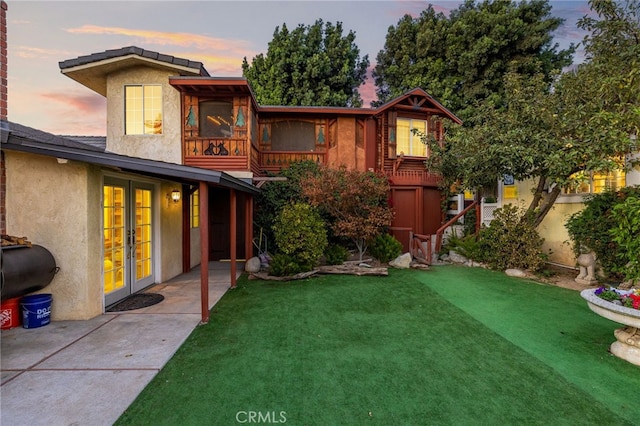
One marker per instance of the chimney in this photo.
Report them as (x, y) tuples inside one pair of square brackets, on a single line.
[(3, 113)]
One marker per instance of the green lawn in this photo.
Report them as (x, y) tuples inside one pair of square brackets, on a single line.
[(452, 345)]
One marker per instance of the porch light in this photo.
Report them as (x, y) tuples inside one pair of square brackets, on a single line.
[(175, 195), (633, 142)]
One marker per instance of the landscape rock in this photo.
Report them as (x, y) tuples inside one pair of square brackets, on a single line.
[(252, 265), (519, 273), (457, 258), (401, 262)]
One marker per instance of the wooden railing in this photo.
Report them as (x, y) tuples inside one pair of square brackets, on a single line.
[(450, 222), (237, 154), (275, 161), (412, 177), (195, 147), (420, 248)]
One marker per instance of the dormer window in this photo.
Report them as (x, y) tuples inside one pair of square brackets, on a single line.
[(407, 142), (143, 109)]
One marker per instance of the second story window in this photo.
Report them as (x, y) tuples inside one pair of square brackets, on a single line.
[(216, 119), (407, 142), (143, 109)]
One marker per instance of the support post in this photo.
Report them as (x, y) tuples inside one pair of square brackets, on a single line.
[(248, 226), (204, 251), (233, 230)]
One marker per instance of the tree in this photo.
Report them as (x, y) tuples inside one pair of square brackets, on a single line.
[(311, 65), (462, 59), (559, 136), (356, 203)]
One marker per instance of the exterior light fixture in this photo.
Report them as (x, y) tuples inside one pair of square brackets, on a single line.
[(175, 195)]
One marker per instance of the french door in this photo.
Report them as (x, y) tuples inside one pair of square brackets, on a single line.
[(127, 238)]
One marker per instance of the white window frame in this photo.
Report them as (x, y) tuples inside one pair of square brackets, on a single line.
[(416, 147), (142, 110)]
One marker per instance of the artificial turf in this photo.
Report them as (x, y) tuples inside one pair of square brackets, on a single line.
[(451, 345)]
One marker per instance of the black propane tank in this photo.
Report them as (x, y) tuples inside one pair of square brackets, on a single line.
[(25, 270)]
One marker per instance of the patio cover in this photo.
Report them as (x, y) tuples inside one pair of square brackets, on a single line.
[(21, 138)]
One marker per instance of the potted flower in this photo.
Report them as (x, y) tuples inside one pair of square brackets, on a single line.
[(617, 304)]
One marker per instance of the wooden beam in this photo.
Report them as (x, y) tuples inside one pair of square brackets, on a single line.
[(204, 251), (419, 109), (264, 179), (186, 229), (248, 227), (233, 230)]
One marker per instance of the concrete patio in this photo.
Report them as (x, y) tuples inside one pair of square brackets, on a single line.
[(89, 372)]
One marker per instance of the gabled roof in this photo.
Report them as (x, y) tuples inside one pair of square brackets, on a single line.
[(91, 70), (418, 98), (26, 139)]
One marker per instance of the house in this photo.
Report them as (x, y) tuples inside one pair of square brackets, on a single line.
[(570, 201), (112, 217), (174, 181), (215, 123)]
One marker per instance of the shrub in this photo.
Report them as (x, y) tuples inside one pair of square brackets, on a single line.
[(511, 242), (467, 246), (283, 265), (470, 222), (277, 194), (300, 233), (626, 235), (335, 254), (590, 229), (385, 248)]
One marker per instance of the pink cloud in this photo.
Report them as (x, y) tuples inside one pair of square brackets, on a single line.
[(240, 47), (28, 52), (84, 114)]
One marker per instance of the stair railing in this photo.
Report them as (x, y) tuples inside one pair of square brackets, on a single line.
[(453, 220)]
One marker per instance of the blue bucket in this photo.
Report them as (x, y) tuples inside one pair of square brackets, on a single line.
[(36, 310)]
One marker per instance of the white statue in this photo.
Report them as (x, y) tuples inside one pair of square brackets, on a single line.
[(587, 264)]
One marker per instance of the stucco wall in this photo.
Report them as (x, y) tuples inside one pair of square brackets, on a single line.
[(170, 234), (164, 147), (195, 247), (552, 228), (58, 206)]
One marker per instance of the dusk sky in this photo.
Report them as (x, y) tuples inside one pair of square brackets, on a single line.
[(217, 33)]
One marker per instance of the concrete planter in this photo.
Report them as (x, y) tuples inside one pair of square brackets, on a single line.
[(627, 344)]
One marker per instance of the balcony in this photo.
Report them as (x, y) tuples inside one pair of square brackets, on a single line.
[(216, 153)]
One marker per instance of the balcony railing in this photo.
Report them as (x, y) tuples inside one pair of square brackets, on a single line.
[(235, 154), (413, 177), (195, 147), (277, 160), (216, 153)]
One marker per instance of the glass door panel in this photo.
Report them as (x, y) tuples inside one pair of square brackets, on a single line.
[(143, 247), (127, 238), (114, 216)]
